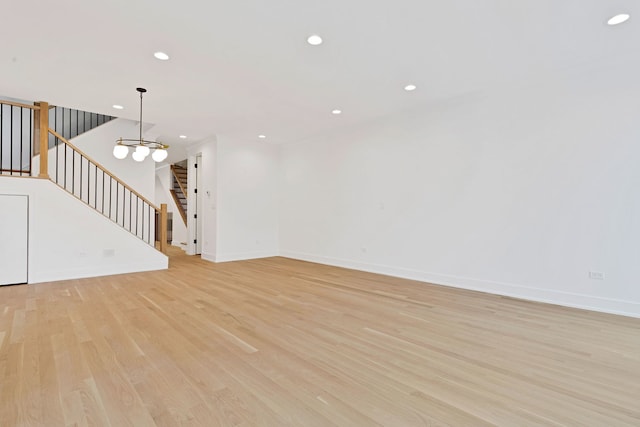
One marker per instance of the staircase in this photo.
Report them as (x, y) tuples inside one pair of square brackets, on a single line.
[(179, 189), (30, 146)]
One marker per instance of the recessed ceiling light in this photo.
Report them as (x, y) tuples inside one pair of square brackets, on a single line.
[(118, 107), (618, 19), (410, 88), (183, 136), (336, 112), (314, 40), (161, 56), (262, 136)]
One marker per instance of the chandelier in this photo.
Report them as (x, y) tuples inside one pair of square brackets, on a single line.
[(142, 147)]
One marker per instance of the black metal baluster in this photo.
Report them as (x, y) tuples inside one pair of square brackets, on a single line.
[(64, 167), (88, 181), (110, 196), (124, 205), (117, 185), (77, 122), (30, 140), (21, 141), (11, 144), (80, 183), (95, 188), (137, 203), (57, 149), (66, 147)]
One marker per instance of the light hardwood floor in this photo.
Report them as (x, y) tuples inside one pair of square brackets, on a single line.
[(278, 342)]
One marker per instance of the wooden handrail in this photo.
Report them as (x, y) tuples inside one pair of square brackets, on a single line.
[(184, 190), (103, 169), (18, 104)]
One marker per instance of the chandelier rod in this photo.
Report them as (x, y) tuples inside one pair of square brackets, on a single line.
[(141, 90)]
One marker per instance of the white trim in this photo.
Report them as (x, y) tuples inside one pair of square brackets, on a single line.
[(240, 256), (587, 302), (208, 256), (100, 271), (180, 245)]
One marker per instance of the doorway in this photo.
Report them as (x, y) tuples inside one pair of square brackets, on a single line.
[(195, 206), (14, 239)]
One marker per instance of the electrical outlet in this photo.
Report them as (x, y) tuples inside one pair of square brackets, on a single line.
[(596, 275), (108, 253)]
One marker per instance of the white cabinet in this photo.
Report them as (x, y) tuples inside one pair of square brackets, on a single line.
[(14, 238)]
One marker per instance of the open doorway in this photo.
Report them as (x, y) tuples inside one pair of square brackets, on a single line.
[(198, 201), (195, 206)]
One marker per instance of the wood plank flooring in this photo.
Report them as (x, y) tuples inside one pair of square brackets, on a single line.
[(278, 342)]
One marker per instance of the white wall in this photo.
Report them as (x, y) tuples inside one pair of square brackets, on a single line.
[(69, 240), (163, 185), (521, 193), (240, 197), (247, 200)]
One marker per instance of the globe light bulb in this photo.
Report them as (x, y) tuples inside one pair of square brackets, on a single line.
[(159, 155), (137, 156), (120, 151), (143, 149)]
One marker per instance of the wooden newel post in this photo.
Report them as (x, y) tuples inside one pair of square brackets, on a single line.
[(163, 228), (41, 137)]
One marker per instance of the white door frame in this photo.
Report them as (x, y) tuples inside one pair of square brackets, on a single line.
[(194, 205)]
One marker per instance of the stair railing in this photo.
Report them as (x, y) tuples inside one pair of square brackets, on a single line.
[(16, 135), (89, 181), (25, 133)]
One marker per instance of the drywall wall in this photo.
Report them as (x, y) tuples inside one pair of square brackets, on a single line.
[(521, 193), (246, 200), (69, 240)]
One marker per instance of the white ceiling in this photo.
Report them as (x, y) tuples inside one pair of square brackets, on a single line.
[(240, 68)]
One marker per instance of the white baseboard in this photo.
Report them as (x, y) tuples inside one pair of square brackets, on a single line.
[(239, 256), (587, 302), (182, 246), (208, 256), (96, 271)]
